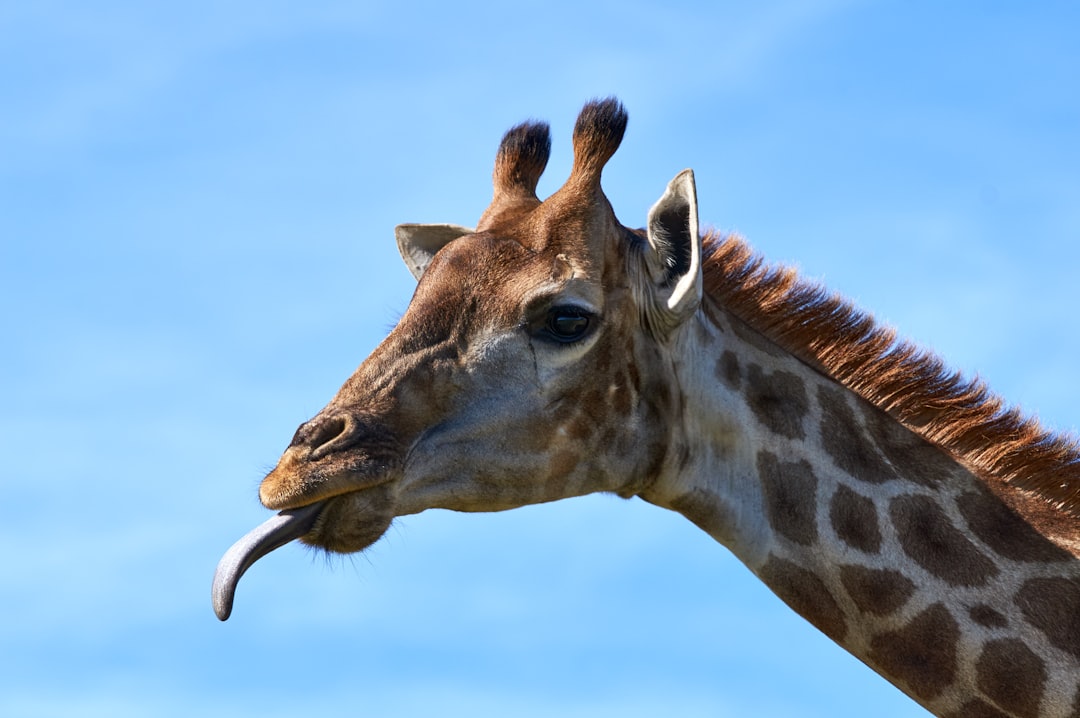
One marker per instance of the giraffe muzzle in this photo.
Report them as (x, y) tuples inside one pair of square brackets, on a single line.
[(268, 536)]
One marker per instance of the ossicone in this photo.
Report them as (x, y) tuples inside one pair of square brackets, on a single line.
[(523, 154), (597, 134)]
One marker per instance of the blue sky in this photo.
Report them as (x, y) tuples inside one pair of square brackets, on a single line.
[(196, 213)]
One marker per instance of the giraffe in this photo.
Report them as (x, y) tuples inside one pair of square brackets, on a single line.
[(551, 352)]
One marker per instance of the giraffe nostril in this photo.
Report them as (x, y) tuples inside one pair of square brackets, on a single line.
[(327, 432), (318, 435)]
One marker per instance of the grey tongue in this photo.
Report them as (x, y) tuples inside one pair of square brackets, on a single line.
[(271, 534)]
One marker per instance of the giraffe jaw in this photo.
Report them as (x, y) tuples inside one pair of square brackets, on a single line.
[(266, 537)]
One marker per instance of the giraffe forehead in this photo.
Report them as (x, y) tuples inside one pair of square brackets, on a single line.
[(507, 271)]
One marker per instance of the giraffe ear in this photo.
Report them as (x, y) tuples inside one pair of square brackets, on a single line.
[(418, 243), (675, 259)]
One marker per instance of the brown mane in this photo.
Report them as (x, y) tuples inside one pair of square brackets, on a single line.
[(960, 415)]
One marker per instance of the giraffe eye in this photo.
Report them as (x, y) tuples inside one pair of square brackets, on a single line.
[(566, 324)]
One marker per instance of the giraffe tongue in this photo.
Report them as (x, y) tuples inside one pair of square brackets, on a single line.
[(271, 534)]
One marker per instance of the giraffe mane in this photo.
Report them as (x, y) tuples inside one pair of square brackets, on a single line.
[(961, 415)]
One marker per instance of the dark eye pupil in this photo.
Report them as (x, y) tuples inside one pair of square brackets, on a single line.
[(567, 325)]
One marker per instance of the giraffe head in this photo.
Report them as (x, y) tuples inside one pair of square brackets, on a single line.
[(528, 367)]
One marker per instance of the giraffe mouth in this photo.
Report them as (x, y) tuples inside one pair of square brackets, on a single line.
[(266, 537)]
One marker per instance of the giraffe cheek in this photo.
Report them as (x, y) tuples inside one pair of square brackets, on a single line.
[(556, 482)]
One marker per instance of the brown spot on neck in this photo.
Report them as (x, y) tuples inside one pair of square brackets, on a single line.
[(778, 400), (922, 654), (855, 520), (728, 370), (916, 459), (1052, 605), (1012, 676), (806, 594), (929, 538), (1001, 529), (878, 592), (846, 443), (790, 497)]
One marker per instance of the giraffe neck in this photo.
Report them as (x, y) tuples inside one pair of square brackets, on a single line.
[(878, 538)]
